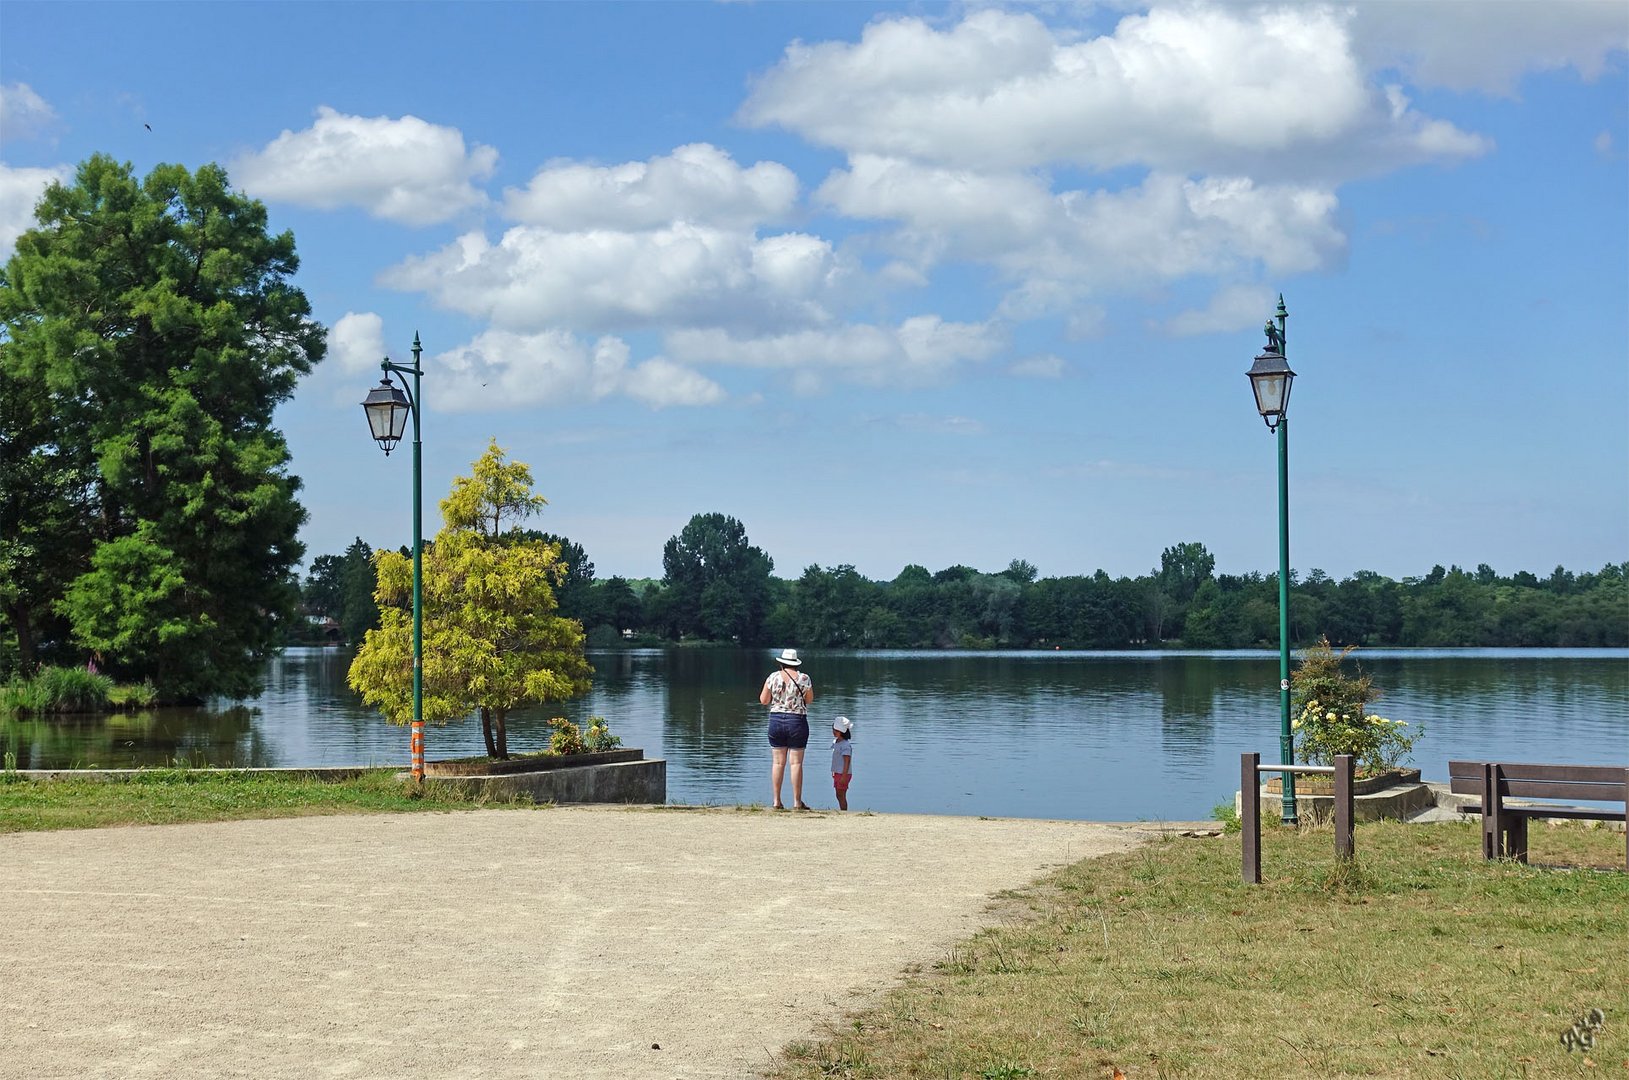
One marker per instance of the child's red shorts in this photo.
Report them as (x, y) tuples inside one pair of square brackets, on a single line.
[(840, 780)]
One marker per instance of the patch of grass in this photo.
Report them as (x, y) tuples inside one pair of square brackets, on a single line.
[(55, 690), (170, 796), (1421, 959)]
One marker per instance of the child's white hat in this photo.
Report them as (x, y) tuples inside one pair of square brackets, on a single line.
[(841, 724)]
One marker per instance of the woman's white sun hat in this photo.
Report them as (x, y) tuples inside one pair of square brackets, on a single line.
[(789, 657)]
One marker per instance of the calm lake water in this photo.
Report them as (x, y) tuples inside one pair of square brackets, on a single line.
[(1075, 735)]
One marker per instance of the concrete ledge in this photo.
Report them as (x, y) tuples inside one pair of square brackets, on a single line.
[(1400, 802), (618, 782)]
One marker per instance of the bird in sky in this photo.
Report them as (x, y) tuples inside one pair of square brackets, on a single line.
[(149, 127)]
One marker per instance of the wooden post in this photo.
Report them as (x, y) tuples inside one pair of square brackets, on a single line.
[(1490, 811), (1250, 817), (1344, 843)]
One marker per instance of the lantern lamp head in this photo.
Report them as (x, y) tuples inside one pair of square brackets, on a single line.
[(1270, 378), (387, 408)]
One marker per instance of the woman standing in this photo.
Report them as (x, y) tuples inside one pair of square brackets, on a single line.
[(788, 693)]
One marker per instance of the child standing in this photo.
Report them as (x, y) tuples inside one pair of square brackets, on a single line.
[(842, 758)]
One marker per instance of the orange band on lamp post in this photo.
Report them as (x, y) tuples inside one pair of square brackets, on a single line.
[(418, 750)]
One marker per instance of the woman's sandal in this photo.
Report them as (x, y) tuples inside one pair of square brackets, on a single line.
[(778, 806), (802, 806)]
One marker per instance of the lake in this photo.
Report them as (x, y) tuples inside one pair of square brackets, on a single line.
[(1078, 735)]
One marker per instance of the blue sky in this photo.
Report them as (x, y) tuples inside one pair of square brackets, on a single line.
[(918, 283)]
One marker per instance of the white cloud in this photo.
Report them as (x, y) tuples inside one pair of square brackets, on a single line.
[(698, 183), (922, 423), (20, 190), (499, 369), (921, 349), (683, 274), (1054, 248), (405, 170), (1490, 46), (1232, 307), (356, 342), (1186, 89), (23, 113), (1044, 366)]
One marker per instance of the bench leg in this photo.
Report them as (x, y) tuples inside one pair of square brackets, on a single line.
[(1516, 837), (1491, 831)]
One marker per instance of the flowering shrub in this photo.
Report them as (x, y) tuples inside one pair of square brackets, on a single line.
[(569, 739), (599, 737), (1329, 717)]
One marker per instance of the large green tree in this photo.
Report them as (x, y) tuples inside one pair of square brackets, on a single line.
[(148, 329), (715, 583), (492, 639)]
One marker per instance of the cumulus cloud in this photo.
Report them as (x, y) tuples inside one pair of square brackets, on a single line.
[(921, 349), (683, 274), (356, 341), (697, 183), (23, 113), (405, 170), (1489, 47), (20, 191), (499, 369), (1185, 89), (1055, 247), (1232, 307)]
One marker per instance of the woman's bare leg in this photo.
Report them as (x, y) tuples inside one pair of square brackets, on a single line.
[(796, 758), (777, 767)]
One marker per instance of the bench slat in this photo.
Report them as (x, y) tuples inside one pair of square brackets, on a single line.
[(1572, 774), (1533, 789), (1586, 813)]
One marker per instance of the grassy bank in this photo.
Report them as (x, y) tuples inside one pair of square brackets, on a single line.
[(169, 796), (1423, 961), (72, 690)]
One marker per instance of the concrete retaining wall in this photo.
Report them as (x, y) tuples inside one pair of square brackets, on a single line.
[(619, 782)]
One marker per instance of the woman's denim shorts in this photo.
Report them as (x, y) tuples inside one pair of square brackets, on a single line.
[(789, 730)]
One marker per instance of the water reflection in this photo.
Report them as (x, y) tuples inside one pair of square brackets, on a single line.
[(1107, 736)]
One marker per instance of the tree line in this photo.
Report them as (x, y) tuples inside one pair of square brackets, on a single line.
[(718, 587)]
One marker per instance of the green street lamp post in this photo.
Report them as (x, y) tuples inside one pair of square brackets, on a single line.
[(1270, 378), (387, 408)]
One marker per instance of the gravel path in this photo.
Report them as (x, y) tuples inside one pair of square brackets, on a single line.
[(568, 942)]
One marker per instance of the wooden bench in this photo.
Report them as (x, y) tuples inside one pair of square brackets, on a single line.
[(1504, 825)]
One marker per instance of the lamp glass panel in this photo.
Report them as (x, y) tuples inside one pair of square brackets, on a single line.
[(1271, 392), (387, 409)]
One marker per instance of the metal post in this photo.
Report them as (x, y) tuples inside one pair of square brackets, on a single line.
[(418, 573), (1286, 741)]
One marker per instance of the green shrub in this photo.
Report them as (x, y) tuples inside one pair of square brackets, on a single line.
[(567, 738), (599, 735), (1329, 705)]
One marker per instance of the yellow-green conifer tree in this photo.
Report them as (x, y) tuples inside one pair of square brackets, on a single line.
[(492, 640)]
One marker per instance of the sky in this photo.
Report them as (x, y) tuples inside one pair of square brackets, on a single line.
[(920, 283)]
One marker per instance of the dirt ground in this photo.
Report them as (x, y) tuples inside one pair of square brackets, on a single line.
[(570, 942)]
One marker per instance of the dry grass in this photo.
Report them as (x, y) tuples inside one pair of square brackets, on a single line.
[(1423, 960)]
